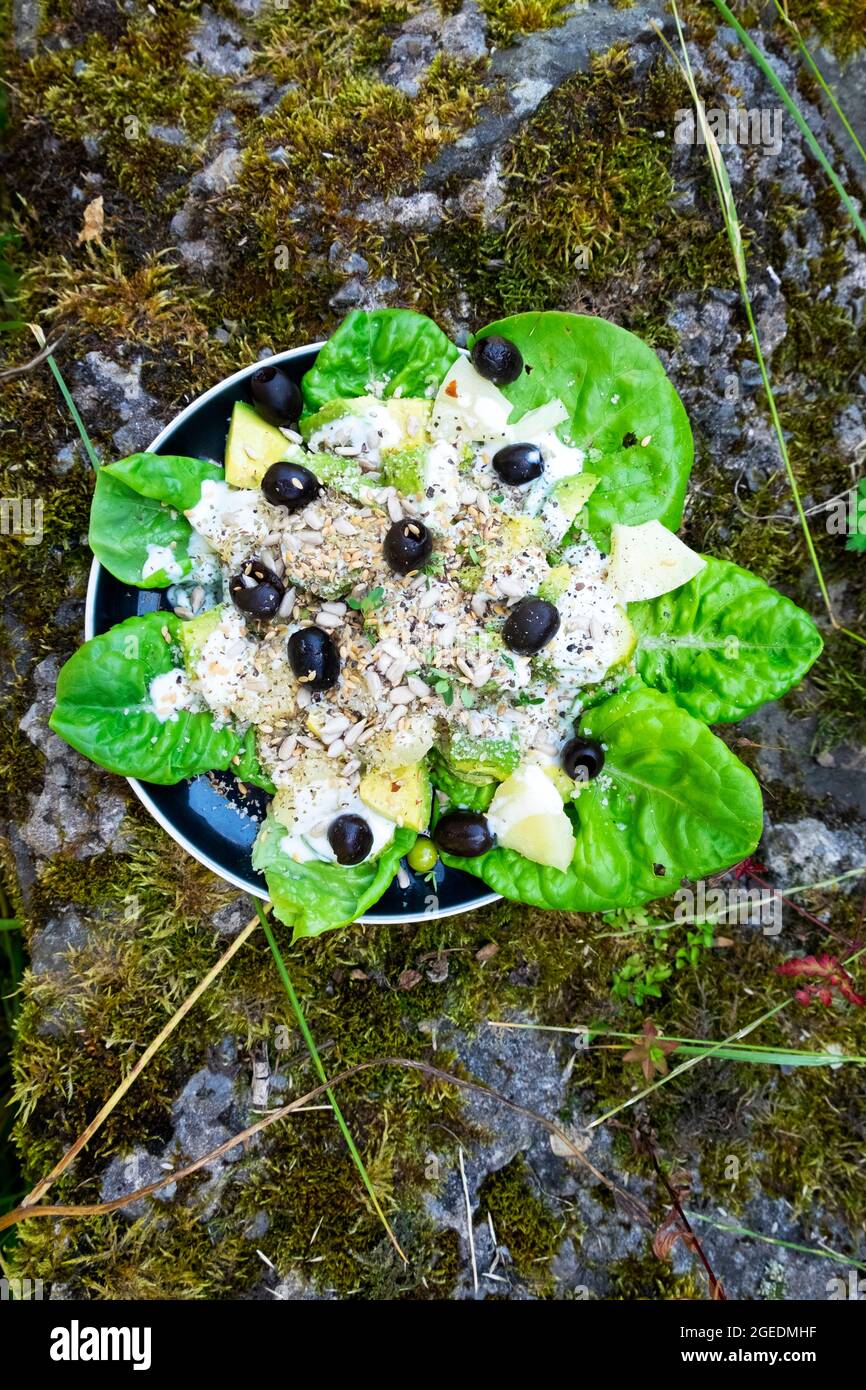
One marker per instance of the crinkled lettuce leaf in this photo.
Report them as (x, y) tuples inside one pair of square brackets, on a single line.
[(623, 412), (723, 644), (383, 352), (672, 802), (315, 896), (103, 709), (140, 502)]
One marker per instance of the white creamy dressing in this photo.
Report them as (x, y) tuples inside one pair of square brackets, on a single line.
[(443, 478), (315, 806), (366, 435), (239, 515), (162, 558), (170, 693)]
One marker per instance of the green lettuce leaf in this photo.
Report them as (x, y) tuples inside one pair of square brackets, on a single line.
[(103, 709), (625, 413), (459, 793), (857, 538), (316, 897), (723, 644), (386, 352), (672, 802), (139, 502)]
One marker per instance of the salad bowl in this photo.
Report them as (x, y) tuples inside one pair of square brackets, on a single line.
[(211, 818), (383, 629)]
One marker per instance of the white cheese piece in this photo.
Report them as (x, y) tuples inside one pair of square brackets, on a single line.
[(649, 560), (468, 408)]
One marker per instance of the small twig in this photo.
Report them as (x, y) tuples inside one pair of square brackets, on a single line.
[(8, 373), (470, 1234), (716, 1289), (636, 1208)]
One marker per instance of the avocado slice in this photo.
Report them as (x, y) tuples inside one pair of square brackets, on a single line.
[(477, 760), (555, 583), (574, 492), (195, 632), (406, 468), (403, 795), (252, 446)]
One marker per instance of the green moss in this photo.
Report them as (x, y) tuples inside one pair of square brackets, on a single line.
[(641, 1278), (129, 81), (506, 19), (588, 196), (522, 1222), (841, 24)]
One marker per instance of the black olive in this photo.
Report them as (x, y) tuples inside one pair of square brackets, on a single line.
[(276, 396), (464, 833), (517, 464), (531, 625), (407, 545), (290, 485), (263, 596), (314, 658), (496, 359), (583, 758), (351, 838)]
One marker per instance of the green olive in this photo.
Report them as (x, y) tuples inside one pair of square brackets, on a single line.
[(422, 857)]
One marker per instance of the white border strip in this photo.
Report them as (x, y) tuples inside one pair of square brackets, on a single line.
[(371, 919)]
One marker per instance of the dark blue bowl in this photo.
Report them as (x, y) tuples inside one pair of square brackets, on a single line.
[(210, 816)]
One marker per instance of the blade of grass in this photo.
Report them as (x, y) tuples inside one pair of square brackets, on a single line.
[(696, 1047), (295, 1002), (819, 76), (710, 1051), (721, 913), (775, 1240), (725, 196), (65, 393), (792, 108)]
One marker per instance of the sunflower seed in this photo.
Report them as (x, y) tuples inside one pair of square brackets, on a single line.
[(287, 747), (352, 735), (334, 728), (336, 749), (417, 686), (402, 695), (337, 608), (328, 620), (288, 603), (508, 587), (395, 510), (398, 670)]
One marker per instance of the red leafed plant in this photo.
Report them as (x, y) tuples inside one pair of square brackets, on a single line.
[(825, 978)]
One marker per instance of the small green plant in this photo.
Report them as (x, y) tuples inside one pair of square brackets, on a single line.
[(639, 979)]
